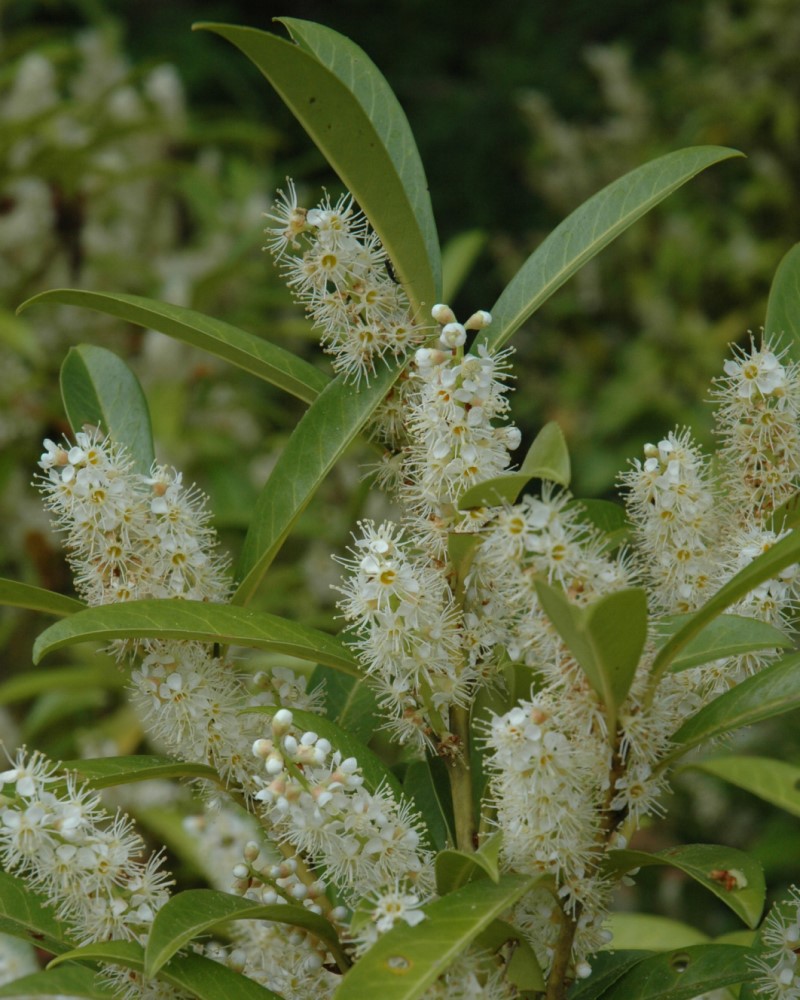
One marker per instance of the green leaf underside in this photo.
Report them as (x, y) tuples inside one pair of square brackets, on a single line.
[(682, 974), (258, 357), (588, 230), (372, 767), (99, 389), (406, 960), (606, 637), (196, 621), (65, 981), (608, 967), (349, 111), (547, 458), (783, 304), (774, 781), (107, 772), (322, 436), (203, 978), (699, 861), (727, 635), (523, 969), (782, 554), (24, 595), (195, 911), (24, 914), (769, 693)]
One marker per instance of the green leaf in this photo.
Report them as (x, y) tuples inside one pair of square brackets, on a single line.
[(771, 692), (783, 304), (65, 981), (683, 974), (24, 595), (523, 969), (419, 785), (195, 911), (782, 554), (459, 256), (28, 685), (607, 517), (99, 389), (320, 439), (107, 772), (347, 108), (707, 864), (375, 772), (547, 458), (728, 635), (654, 933), (587, 230), (607, 968), (457, 868), (245, 350), (203, 978), (774, 781), (350, 702), (406, 960), (25, 914), (196, 621), (606, 637)]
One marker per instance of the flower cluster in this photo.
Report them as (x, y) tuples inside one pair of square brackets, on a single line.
[(776, 968)]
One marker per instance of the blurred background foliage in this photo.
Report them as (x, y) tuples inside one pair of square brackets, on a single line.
[(137, 156)]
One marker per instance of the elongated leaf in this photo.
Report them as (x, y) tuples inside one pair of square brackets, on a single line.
[(646, 930), (196, 621), (65, 981), (349, 702), (406, 960), (24, 686), (457, 868), (107, 772), (783, 304), (774, 781), (24, 914), (523, 969), (459, 256), (773, 691), (728, 635), (609, 518), (421, 788), (607, 968), (683, 974), (588, 229), (375, 772), (254, 355), (340, 98), (99, 389), (547, 458), (193, 912), (23, 595), (709, 864), (782, 554), (204, 979), (323, 435), (606, 638)]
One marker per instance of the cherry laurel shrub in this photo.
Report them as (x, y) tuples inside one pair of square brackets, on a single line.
[(537, 664)]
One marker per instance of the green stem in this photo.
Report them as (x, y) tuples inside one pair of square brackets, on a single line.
[(460, 775)]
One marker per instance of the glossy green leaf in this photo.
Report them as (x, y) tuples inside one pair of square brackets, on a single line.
[(24, 914), (457, 868), (769, 693), (682, 974), (459, 256), (405, 961), (350, 702), (65, 981), (547, 458), (347, 108), (707, 865), (420, 787), (607, 968), (99, 389), (196, 621), (375, 772), (195, 911), (783, 304), (203, 978), (20, 687), (727, 635), (588, 229), (774, 781), (245, 350), (523, 969), (651, 932), (324, 433), (24, 595), (606, 637), (107, 772), (782, 554)]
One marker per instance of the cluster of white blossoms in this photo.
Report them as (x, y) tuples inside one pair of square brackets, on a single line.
[(335, 265), (776, 967)]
